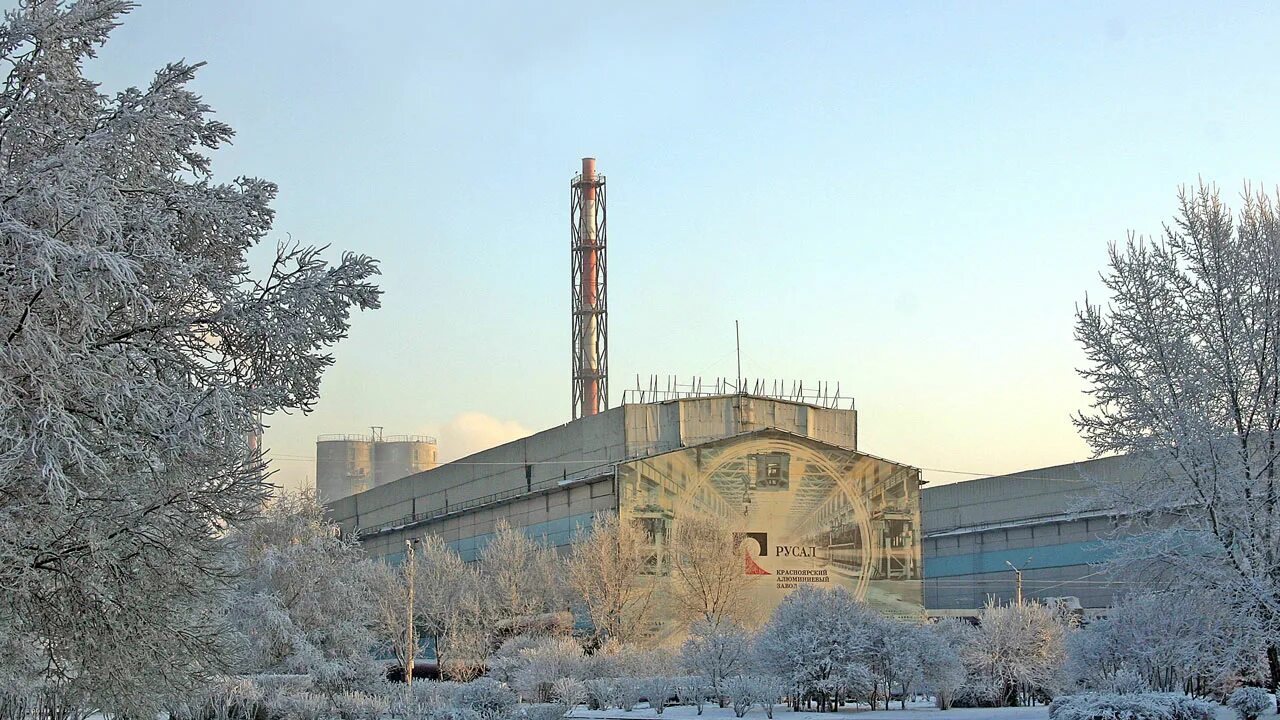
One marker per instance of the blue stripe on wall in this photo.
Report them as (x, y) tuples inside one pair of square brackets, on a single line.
[(551, 533), (1032, 558)]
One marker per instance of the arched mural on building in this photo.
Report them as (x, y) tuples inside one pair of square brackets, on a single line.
[(805, 513)]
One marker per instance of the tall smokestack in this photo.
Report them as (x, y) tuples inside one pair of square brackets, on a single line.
[(590, 309)]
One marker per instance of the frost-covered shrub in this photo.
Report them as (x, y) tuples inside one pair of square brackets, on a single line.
[(543, 711), (1182, 707), (600, 693), (1133, 706), (16, 704), (273, 683), (297, 705), (627, 691), (1250, 702), (569, 692), (451, 713), (857, 683), (359, 706), (658, 690), (348, 675), (228, 698), (1125, 681), (489, 699), (542, 664), (693, 690), (747, 691), (771, 689), (433, 693)]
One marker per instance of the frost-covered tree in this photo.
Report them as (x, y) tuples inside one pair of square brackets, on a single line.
[(708, 580), (717, 651), (817, 637), (450, 607), (304, 602), (898, 656), (609, 569), (1019, 650), (942, 668), (137, 351), (389, 594), (1184, 369), (1172, 641), (520, 576)]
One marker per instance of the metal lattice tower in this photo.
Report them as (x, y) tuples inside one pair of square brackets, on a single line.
[(590, 308)]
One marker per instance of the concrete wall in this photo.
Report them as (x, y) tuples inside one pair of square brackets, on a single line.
[(552, 517), (1042, 521), (525, 481)]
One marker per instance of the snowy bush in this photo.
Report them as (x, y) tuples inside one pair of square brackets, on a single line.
[(543, 711), (451, 713), (1125, 681), (658, 690), (771, 689), (282, 683), (434, 693), (487, 698), (227, 698), (742, 694), (627, 692), (1133, 706), (600, 693), (359, 706), (569, 691), (1250, 702), (296, 705), (541, 664), (693, 690)]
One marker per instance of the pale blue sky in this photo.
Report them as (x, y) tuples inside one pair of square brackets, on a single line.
[(906, 198)]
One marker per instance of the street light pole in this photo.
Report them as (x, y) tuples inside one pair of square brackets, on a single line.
[(1017, 583), (411, 640)]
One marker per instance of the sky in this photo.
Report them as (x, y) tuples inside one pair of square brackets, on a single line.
[(907, 199)]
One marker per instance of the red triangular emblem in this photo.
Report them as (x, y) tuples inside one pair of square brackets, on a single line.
[(752, 567)]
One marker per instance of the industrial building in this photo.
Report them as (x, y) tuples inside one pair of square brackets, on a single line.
[(783, 468), (350, 464), (787, 474), (1042, 526)]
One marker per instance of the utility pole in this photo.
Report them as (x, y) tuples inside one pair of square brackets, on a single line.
[(1017, 583), (411, 637)]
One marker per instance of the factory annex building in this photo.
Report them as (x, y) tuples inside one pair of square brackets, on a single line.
[(810, 508)]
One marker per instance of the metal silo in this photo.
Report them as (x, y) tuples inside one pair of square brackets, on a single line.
[(344, 465), (397, 456)]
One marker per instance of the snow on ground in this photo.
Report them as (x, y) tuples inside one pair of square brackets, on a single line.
[(914, 711), (919, 711)]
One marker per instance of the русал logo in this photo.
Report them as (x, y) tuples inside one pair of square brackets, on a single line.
[(762, 546)]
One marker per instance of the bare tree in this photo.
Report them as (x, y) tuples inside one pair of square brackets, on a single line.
[(1184, 369), (609, 568), (708, 571)]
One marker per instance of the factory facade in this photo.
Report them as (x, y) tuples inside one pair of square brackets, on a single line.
[(1044, 525), (807, 505)]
